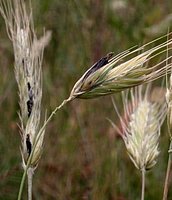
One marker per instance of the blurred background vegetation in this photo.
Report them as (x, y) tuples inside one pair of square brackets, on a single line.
[(83, 157)]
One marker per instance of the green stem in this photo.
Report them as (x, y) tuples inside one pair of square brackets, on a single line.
[(166, 184), (143, 184), (35, 143)]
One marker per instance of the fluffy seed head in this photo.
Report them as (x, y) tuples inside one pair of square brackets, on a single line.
[(142, 131)]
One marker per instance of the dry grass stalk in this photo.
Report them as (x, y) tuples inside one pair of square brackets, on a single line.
[(28, 54), (142, 131), (110, 74)]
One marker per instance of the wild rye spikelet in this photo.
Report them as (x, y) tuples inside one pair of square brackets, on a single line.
[(142, 131), (28, 55), (110, 74)]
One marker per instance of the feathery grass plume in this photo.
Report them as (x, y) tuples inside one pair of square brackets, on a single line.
[(110, 74), (141, 130), (28, 55)]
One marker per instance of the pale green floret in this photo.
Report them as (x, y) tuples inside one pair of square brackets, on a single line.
[(116, 76)]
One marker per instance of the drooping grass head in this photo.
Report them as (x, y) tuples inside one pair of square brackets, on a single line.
[(130, 68)]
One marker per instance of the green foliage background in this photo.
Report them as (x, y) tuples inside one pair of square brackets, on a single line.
[(83, 158)]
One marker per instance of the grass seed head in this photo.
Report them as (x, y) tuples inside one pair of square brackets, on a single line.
[(110, 74), (28, 55), (142, 131)]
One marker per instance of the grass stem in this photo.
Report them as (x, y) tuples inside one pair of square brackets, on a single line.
[(166, 184), (143, 184)]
